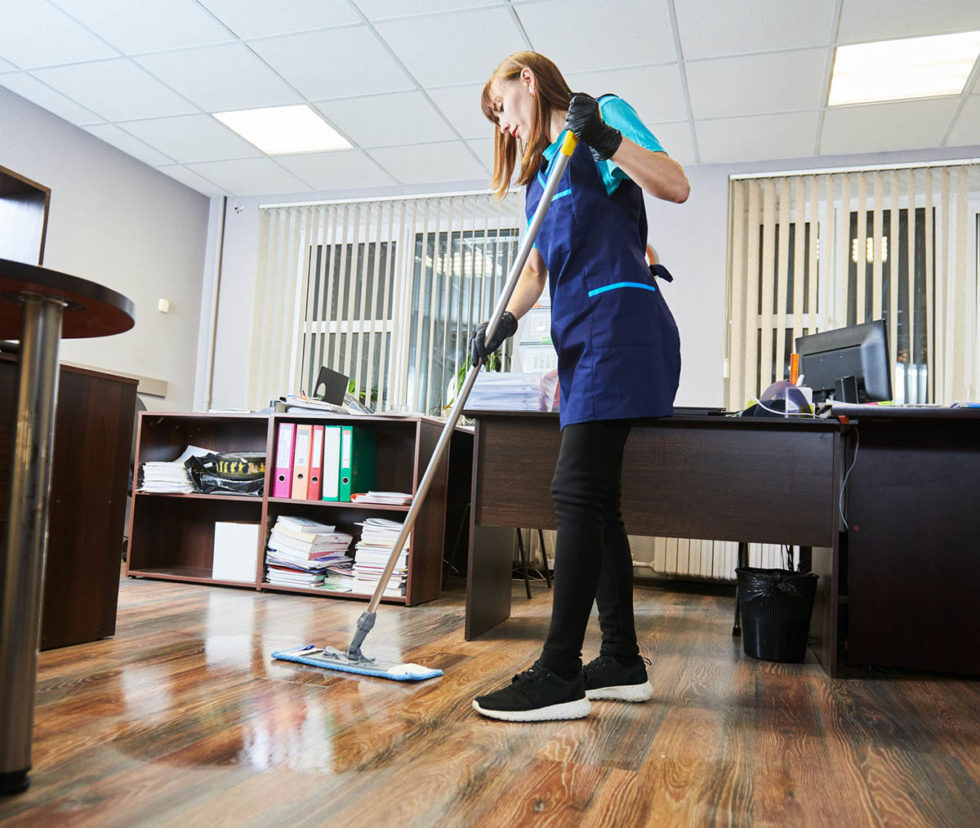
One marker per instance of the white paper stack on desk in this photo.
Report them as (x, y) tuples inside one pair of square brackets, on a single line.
[(371, 554), (512, 391)]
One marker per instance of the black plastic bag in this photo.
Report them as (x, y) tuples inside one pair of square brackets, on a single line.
[(229, 473)]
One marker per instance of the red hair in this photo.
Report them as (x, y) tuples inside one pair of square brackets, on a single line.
[(551, 92)]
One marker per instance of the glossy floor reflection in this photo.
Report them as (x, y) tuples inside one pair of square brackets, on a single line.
[(183, 717)]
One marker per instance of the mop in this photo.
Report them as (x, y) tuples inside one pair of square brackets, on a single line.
[(353, 660)]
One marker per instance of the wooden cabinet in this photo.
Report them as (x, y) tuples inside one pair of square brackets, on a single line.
[(171, 536), (87, 506)]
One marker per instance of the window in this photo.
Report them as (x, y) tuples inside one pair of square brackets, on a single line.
[(817, 251), (385, 291)]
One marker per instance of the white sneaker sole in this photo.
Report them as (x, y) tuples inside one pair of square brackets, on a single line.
[(623, 692), (577, 709)]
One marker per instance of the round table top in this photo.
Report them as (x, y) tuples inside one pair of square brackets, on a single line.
[(92, 310)]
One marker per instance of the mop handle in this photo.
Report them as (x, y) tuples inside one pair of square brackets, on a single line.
[(565, 153)]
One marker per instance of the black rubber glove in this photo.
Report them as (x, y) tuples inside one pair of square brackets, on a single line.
[(587, 124), (480, 349)]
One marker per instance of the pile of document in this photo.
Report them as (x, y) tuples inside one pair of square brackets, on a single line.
[(339, 577), (300, 551), (170, 478), (371, 554), (383, 498), (512, 391)]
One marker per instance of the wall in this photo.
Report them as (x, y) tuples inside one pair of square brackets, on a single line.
[(115, 221)]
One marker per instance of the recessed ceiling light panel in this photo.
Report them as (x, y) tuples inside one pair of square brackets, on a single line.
[(283, 130), (892, 70)]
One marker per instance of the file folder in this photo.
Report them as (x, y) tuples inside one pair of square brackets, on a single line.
[(301, 461), (282, 481), (330, 474), (357, 461), (316, 464)]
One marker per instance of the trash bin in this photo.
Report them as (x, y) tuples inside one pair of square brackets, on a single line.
[(775, 605)]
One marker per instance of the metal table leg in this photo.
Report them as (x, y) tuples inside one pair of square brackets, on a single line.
[(743, 560), (26, 535)]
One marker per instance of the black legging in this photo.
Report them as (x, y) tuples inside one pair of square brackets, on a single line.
[(592, 553)]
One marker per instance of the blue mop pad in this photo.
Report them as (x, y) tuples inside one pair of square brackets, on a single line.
[(331, 658)]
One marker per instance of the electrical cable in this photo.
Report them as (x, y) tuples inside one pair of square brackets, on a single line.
[(843, 488), (785, 414)]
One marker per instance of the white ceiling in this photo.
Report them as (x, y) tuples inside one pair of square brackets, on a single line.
[(718, 81)]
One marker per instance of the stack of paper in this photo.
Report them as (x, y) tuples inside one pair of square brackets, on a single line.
[(300, 551), (170, 478), (508, 392), (339, 577), (371, 555), (385, 498)]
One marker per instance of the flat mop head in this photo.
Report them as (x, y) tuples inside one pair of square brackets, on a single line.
[(331, 658)]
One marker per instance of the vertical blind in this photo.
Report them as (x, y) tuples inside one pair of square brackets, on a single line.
[(385, 291), (816, 251)]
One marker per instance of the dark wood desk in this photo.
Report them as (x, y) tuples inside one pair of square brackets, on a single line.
[(719, 478), (910, 567)]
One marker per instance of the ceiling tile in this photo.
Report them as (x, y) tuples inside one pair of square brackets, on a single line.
[(430, 163), (730, 140), (220, 78), (260, 18), (966, 131), (655, 92), (708, 28), (676, 140), (483, 147), (381, 9), (44, 96), (886, 20), (341, 170), (189, 138), (121, 140), (37, 34), (582, 35), (249, 176), (462, 47), (757, 84), (115, 89), (335, 63), (145, 27), (886, 127), (193, 180), (383, 120), (461, 105)]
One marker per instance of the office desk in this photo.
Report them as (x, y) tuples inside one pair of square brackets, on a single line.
[(910, 566), (719, 478)]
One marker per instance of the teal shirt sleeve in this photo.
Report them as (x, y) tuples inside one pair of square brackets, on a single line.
[(620, 115)]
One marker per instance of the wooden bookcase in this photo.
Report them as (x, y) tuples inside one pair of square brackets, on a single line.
[(171, 536)]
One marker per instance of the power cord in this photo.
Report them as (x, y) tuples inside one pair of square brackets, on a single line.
[(784, 414), (843, 488)]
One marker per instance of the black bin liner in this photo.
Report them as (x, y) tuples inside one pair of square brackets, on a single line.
[(775, 605), (228, 473)]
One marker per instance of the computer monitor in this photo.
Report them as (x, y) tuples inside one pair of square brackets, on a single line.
[(848, 364)]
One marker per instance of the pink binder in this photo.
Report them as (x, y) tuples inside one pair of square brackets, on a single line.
[(283, 480)]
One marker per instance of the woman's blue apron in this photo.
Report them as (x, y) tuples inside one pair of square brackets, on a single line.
[(617, 343)]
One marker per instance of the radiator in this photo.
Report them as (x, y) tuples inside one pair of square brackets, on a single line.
[(679, 557)]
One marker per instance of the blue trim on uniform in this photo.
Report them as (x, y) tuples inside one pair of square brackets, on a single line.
[(562, 194), (618, 285)]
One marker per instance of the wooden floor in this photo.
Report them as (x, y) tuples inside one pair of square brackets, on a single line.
[(183, 718)]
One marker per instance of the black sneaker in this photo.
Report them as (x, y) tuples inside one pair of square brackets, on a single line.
[(536, 695), (607, 679)]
